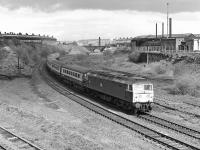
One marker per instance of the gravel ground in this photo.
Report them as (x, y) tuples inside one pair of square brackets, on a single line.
[(40, 114)]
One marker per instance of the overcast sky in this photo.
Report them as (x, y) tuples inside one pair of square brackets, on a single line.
[(85, 19)]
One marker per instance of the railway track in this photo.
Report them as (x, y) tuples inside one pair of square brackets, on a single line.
[(156, 136), (11, 141), (188, 103), (171, 125), (175, 109)]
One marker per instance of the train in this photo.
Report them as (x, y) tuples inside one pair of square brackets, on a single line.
[(131, 93)]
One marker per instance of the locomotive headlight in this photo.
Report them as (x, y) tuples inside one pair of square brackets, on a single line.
[(137, 105)]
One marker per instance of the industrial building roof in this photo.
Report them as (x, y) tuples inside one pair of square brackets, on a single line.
[(173, 36)]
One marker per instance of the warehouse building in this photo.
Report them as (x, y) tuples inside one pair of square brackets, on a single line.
[(177, 42)]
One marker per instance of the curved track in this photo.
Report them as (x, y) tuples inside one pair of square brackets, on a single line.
[(175, 109), (11, 141), (163, 139), (171, 125)]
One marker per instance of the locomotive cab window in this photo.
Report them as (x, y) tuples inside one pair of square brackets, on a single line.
[(148, 87), (129, 88)]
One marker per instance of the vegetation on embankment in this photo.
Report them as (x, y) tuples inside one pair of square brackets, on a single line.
[(27, 56)]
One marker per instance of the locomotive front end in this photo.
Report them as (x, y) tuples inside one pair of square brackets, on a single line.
[(143, 96)]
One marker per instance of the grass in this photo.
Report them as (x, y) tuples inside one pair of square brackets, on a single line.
[(29, 56), (187, 79), (187, 84), (134, 56), (32, 54)]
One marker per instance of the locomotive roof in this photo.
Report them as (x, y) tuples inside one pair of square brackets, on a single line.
[(54, 61), (116, 76), (76, 68)]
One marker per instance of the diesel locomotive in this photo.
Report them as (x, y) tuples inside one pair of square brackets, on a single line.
[(134, 94)]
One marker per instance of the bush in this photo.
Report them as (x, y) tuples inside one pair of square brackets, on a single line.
[(158, 68), (134, 57), (197, 59), (186, 84), (122, 50)]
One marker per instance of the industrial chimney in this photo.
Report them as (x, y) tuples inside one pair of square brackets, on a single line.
[(163, 29), (170, 27), (156, 30), (99, 41)]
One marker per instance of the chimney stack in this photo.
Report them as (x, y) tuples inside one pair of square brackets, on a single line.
[(170, 27), (99, 41), (156, 30), (163, 29)]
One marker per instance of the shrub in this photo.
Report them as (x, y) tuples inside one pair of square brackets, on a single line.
[(134, 57), (197, 59), (186, 84), (158, 68), (122, 50)]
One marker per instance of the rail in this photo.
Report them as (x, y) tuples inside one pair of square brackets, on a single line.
[(11, 141), (163, 139), (171, 125)]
